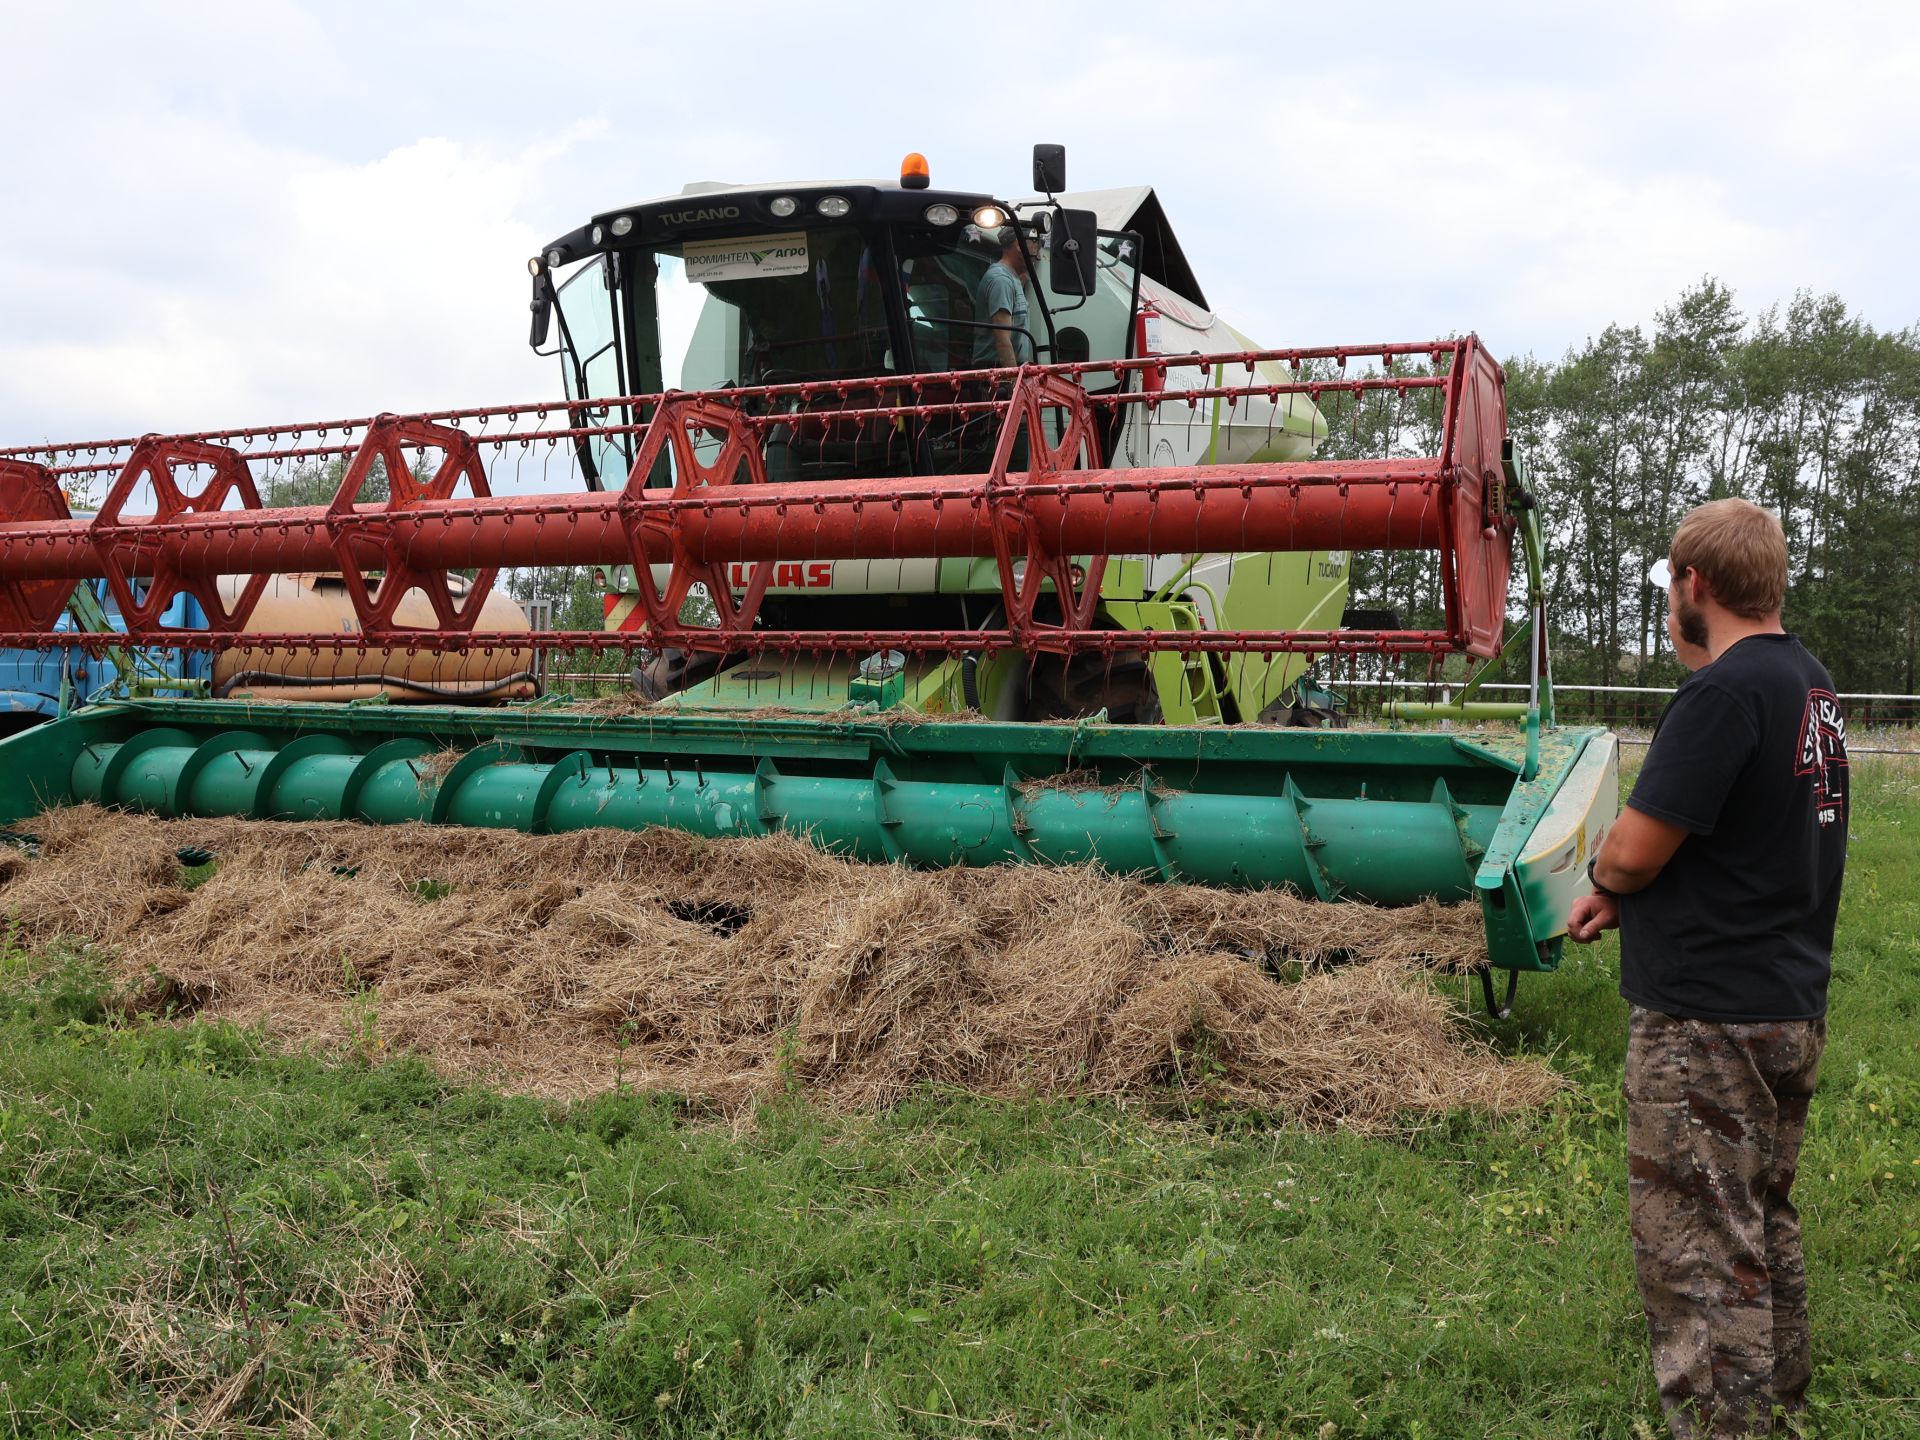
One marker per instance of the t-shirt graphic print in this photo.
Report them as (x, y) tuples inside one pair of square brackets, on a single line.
[(1823, 750)]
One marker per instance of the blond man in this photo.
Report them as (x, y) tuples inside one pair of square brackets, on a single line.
[(1723, 874)]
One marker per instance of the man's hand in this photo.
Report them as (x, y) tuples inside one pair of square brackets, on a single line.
[(1591, 915)]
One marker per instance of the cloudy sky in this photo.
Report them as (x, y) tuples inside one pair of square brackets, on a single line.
[(221, 213)]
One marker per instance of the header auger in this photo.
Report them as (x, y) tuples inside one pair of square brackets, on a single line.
[(852, 525)]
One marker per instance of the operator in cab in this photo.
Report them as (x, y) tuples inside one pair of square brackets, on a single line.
[(1000, 301)]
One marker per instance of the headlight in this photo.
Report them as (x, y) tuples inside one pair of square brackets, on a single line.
[(989, 217), (942, 214), (834, 206), (553, 258), (598, 235), (623, 225), (533, 266), (782, 206)]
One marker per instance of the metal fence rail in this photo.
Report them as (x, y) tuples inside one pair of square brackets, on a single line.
[(1878, 715), (1624, 708)]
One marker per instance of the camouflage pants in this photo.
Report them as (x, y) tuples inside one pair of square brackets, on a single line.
[(1715, 1116)]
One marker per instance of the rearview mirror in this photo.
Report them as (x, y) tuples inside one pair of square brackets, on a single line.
[(542, 308), (1073, 245), (1049, 168)]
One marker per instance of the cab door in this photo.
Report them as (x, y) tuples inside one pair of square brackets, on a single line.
[(1099, 326), (591, 368), (1104, 318)]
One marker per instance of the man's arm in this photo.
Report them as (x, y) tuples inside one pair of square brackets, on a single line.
[(1002, 321), (1635, 851)]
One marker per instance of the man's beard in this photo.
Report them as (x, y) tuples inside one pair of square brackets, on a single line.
[(1691, 619)]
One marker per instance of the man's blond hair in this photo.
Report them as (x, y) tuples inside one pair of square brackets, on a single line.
[(1740, 550)]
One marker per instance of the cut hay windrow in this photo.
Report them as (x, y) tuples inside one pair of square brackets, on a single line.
[(733, 969)]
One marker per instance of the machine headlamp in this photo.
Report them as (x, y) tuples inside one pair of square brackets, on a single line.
[(989, 217), (781, 206), (622, 225), (942, 214), (834, 206)]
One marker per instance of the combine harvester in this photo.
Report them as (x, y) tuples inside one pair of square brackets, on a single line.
[(853, 523)]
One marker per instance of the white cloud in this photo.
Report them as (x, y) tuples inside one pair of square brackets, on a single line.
[(276, 284), (238, 212)]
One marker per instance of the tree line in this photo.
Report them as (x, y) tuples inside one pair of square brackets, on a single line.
[(1806, 409)]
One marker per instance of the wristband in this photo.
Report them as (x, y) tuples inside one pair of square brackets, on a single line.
[(1594, 881)]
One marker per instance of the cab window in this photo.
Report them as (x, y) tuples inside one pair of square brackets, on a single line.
[(941, 272), (817, 315), (590, 367)]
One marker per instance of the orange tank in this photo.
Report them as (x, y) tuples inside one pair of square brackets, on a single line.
[(320, 603)]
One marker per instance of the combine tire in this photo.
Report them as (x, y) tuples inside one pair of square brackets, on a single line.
[(669, 672), (1077, 686)]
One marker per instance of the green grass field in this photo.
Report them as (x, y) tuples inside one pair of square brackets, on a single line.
[(202, 1236)]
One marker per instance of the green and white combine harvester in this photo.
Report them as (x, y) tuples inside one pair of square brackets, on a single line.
[(937, 529)]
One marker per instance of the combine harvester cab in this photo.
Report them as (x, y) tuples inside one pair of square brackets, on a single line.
[(778, 285), (1110, 581)]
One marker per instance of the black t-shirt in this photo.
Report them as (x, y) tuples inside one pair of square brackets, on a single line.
[(1751, 758)]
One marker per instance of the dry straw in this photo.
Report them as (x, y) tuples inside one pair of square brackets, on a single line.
[(732, 969)]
